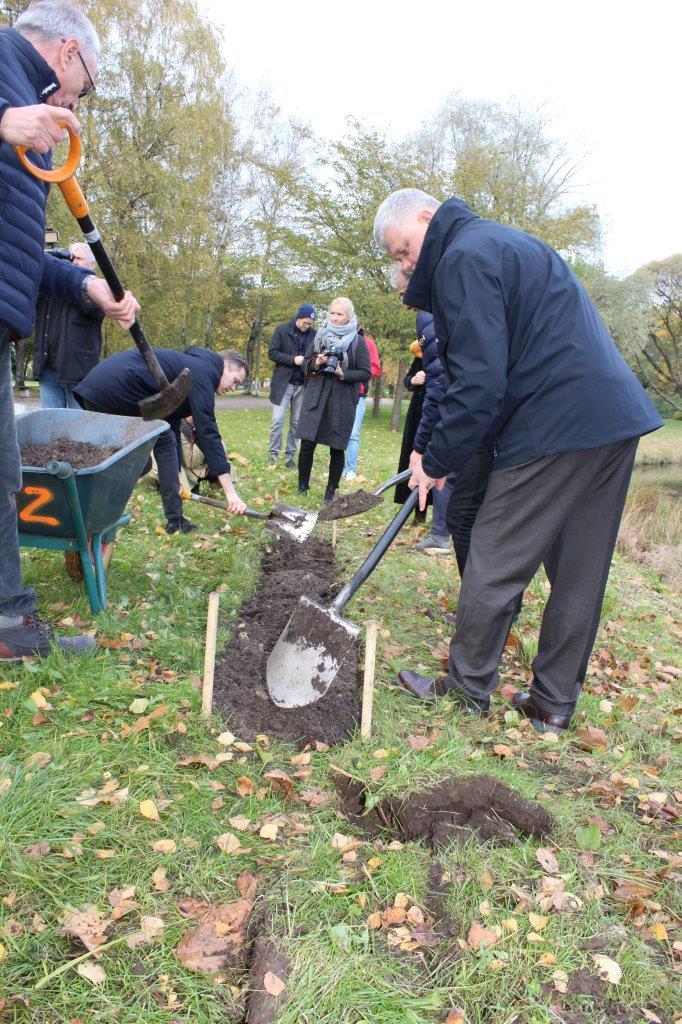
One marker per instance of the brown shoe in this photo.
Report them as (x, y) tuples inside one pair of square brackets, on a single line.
[(542, 721), (430, 687)]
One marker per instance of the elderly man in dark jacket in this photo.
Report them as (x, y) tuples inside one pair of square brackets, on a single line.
[(118, 384), (68, 339), (529, 362), (287, 350), (47, 63)]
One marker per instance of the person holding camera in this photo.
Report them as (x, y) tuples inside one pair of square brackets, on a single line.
[(336, 364)]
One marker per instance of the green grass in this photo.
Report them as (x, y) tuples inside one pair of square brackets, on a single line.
[(663, 447), (317, 904)]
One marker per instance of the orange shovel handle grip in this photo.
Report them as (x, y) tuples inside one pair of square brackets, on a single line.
[(57, 174)]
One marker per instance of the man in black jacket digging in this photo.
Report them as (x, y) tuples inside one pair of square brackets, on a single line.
[(287, 350), (529, 362), (119, 384)]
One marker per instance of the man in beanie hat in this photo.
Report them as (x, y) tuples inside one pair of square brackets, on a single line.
[(287, 350)]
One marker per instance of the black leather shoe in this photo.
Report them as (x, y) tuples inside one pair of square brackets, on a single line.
[(290, 464), (302, 489), (430, 687), (542, 721), (181, 524)]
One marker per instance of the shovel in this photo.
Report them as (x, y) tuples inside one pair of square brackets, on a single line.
[(170, 395), (305, 660), (294, 522)]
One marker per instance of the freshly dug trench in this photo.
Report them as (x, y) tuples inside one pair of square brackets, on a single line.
[(266, 958), (450, 811), (240, 692), (80, 454), (348, 505)]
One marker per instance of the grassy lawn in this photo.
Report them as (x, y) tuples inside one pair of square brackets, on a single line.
[(662, 447), (97, 809)]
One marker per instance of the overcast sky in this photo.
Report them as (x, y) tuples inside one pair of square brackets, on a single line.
[(609, 73)]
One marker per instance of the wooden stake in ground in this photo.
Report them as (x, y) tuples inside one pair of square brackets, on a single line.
[(209, 654), (333, 533), (368, 681)]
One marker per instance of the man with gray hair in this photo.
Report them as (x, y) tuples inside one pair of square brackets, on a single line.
[(48, 62), (529, 363), (68, 338)]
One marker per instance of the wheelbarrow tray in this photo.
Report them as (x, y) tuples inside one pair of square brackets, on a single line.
[(103, 490)]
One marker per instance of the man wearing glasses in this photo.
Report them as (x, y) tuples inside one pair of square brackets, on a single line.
[(47, 64)]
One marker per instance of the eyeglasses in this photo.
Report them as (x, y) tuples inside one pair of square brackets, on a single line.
[(91, 88)]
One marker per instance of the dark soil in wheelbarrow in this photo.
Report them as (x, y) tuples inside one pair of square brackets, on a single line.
[(447, 812), (79, 454), (348, 505), (290, 570)]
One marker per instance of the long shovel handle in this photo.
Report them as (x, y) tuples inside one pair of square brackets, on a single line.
[(78, 205), (376, 554), (249, 512), (392, 481)]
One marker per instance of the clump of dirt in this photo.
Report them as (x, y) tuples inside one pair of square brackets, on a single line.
[(79, 454), (349, 505), (452, 810), (290, 570)]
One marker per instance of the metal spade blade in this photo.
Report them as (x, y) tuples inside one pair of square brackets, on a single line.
[(305, 660)]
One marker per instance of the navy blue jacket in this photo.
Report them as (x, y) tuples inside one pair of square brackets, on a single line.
[(436, 382), (25, 79), (118, 384), (527, 356)]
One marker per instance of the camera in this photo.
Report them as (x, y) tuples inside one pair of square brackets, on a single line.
[(335, 354)]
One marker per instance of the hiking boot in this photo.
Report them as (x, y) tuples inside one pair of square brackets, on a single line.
[(303, 489), (329, 496), (290, 463), (272, 459), (33, 636), (181, 524), (435, 544)]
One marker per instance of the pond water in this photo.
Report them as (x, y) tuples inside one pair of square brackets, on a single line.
[(668, 478)]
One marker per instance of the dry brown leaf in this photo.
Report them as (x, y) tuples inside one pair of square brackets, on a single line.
[(221, 929), (227, 842), (209, 762), (122, 901), (240, 822), (36, 850), (149, 810), (161, 883), (150, 929), (39, 700), (547, 860), (279, 781), (537, 921), (589, 737), (418, 742), (455, 1016), (315, 797), (226, 739), (378, 773), (273, 984), (608, 969), (269, 831), (144, 721), (94, 973), (480, 936), (164, 846), (246, 786), (88, 926)]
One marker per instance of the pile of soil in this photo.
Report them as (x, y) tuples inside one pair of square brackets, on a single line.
[(290, 570), (79, 454), (349, 505), (452, 810)]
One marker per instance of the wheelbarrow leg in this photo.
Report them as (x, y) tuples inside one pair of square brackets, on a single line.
[(100, 571), (65, 473)]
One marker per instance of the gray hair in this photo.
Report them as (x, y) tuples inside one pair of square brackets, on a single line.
[(48, 20), (83, 251), (236, 360), (346, 303), (396, 207)]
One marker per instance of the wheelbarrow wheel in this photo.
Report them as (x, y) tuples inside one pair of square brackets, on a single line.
[(74, 566)]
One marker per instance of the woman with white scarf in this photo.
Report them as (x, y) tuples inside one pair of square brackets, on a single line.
[(336, 363)]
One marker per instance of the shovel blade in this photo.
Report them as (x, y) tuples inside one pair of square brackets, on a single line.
[(294, 522), (161, 405), (305, 660)]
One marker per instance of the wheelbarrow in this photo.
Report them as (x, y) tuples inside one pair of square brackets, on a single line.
[(81, 510)]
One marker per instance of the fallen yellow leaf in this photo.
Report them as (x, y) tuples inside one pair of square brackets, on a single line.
[(164, 846), (227, 842), (269, 831), (149, 810)]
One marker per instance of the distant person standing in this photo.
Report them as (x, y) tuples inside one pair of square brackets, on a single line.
[(353, 449), (287, 350), (68, 338)]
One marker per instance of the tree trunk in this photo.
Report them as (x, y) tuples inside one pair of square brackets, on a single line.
[(398, 397), (376, 404)]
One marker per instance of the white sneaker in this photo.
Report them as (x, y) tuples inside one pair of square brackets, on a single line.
[(350, 475)]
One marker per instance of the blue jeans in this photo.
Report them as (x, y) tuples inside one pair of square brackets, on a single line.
[(441, 500), (292, 400), (353, 449), (14, 598), (54, 395)]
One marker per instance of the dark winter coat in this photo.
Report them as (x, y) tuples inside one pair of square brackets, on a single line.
[(68, 339), (527, 356), (119, 383), (328, 409), (436, 381), (26, 79), (283, 349), (410, 426)]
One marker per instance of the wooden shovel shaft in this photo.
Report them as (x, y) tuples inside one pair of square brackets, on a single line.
[(249, 512)]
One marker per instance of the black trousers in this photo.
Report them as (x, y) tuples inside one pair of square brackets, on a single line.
[(168, 461), (564, 509), (306, 455)]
